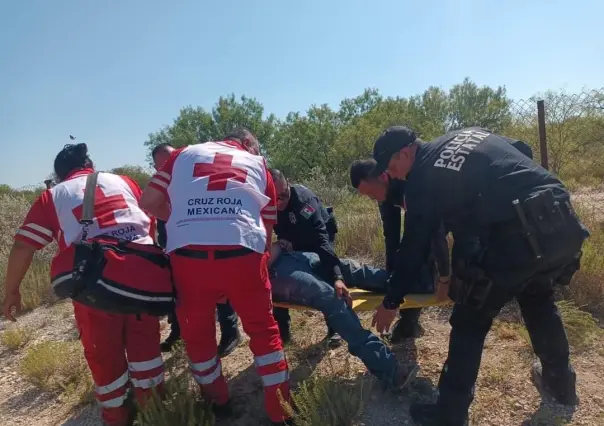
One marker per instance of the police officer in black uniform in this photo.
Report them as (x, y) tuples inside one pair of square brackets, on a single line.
[(389, 195), (230, 337), (304, 224), (516, 237)]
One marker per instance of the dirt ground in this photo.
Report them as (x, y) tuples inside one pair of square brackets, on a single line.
[(505, 394)]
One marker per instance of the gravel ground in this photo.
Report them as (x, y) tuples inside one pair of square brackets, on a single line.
[(504, 396)]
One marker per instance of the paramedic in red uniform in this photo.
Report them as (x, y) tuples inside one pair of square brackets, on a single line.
[(220, 204), (106, 338)]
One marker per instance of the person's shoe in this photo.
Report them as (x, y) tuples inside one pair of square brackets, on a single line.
[(228, 343), (563, 391), (224, 410), (405, 374), (334, 340), (429, 415), (405, 330), (166, 345), (285, 333)]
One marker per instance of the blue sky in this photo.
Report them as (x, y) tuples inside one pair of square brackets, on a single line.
[(112, 71)]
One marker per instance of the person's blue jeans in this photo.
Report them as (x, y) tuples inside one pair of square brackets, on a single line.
[(295, 280)]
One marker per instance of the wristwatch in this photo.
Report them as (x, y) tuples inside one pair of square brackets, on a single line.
[(389, 305), (339, 278)]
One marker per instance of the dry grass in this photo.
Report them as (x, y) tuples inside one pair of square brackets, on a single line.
[(35, 288), (59, 368), (329, 399), (182, 404), (16, 337), (587, 288)]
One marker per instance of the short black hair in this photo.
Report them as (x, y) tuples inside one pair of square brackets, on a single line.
[(361, 170), (277, 175), (239, 134), (71, 158), (160, 147)]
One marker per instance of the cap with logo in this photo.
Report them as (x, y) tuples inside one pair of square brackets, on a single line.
[(389, 143)]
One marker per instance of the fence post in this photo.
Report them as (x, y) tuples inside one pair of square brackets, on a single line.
[(542, 135)]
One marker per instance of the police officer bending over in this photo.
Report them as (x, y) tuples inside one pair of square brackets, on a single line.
[(516, 236), (389, 194), (304, 224)]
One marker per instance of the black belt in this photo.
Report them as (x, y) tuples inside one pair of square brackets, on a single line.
[(218, 254)]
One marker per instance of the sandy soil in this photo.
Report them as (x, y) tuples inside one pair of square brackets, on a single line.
[(505, 394)]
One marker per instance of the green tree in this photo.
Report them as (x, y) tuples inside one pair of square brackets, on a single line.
[(303, 142), (575, 133), (137, 173), (470, 105), (195, 125)]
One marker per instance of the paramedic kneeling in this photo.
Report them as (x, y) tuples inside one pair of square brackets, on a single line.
[(220, 204), (106, 337)]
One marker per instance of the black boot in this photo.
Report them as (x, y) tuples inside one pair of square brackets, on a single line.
[(166, 345), (430, 415), (228, 343), (562, 389), (222, 411), (404, 330), (285, 333)]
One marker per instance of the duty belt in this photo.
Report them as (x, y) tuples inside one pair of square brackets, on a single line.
[(218, 254)]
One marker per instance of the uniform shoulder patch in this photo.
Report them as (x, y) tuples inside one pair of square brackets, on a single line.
[(307, 211)]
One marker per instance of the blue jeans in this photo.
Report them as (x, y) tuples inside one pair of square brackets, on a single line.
[(295, 280)]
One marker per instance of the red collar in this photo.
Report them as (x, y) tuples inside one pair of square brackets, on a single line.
[(78, 172)]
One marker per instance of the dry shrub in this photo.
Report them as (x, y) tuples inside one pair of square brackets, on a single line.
[(182, 404), (59, 368), (330, 400), (587, 287), (16, 337), (582, 329)]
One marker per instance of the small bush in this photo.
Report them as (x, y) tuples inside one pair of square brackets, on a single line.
[(182, 404), (587, 288), (16, 337), (327, 401), (581, 327), (60, 368)]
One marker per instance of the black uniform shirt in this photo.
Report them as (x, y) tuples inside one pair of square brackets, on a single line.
[(390, 212), (162, 237), (303, 223), (467, 179)]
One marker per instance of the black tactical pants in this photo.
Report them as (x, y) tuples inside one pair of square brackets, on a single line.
[(468, 333), (227, 318)]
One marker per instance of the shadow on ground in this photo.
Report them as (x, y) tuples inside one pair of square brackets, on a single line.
[(27, 402)]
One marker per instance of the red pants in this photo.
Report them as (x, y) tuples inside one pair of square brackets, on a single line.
[(244, 281), (106, 339)]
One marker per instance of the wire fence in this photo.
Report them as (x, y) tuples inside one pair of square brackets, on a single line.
[(566, 131)]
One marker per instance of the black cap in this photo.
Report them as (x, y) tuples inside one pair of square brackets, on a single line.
[(389, 143)]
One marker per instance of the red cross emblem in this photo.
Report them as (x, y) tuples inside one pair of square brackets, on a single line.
[(220, 171), (104, 208)]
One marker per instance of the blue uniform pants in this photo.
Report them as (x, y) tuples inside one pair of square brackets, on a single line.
[(295, 279)]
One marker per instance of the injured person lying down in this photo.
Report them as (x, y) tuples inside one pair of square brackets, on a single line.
[(297, 279)]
